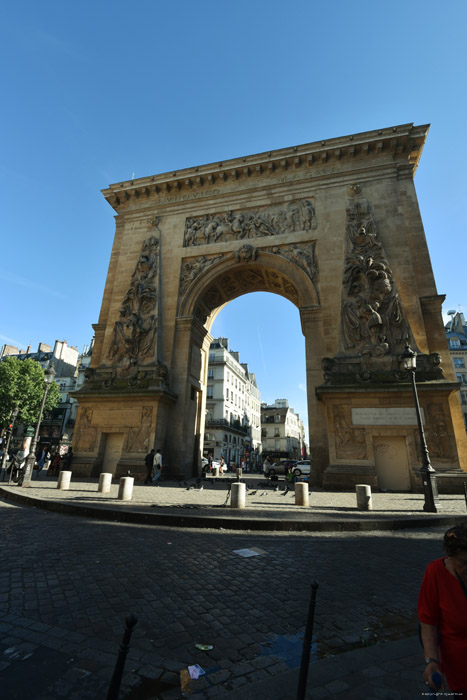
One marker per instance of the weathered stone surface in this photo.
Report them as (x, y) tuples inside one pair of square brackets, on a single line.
[(332, 226)]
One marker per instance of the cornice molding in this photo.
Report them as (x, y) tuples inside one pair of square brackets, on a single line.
[(404, 143)]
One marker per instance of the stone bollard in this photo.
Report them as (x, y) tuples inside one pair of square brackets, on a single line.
[(364, 501), (105, 482), (215, 472), (125, 489), (238, 494), (301, 494), (64, 479)]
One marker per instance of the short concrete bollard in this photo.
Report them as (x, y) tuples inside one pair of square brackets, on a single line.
[(64, 479), (105, 482), (301, 494), (125, 489), (215, 472), (238, 494), (364, 501)]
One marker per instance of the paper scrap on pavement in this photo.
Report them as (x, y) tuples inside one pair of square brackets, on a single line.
[(195, 671), (185, 682), (252, 552)]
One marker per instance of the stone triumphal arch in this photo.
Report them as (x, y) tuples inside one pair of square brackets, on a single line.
[(334, 227)]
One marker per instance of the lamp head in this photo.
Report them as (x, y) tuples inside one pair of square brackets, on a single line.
[(49, 375), (409, 358)]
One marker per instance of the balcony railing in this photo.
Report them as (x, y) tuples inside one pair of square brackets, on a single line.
[(222, 422)]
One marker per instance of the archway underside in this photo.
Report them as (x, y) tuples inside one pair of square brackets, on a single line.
[(235, 284)]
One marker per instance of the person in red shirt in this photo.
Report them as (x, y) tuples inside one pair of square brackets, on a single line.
[(442, 612)]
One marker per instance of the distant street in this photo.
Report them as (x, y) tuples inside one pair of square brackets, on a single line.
[(67, 583)]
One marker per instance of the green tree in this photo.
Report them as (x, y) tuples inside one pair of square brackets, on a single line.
[(22, 384)]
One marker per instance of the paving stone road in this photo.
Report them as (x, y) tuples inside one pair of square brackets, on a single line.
[(67, 583)]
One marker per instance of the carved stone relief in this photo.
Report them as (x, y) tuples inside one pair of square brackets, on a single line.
[(373, 320), (138, 438), (134, 336), (86, 433), (193, 268), (374, 328), (245, 253), (265, 221), (439, 442), (303, 255), (350, 441)]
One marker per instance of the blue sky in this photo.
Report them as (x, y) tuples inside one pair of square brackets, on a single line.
[(96, 91)]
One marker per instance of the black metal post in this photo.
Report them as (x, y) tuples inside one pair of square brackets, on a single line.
[(307, 640), (465, 493), (114, 687), (31, 458), (430, 488)]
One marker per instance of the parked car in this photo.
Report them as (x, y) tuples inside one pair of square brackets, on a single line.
[(279, 467), (302, 467), (205, 464)]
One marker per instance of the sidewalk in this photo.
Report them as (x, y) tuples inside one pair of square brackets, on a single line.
[(206, 504)]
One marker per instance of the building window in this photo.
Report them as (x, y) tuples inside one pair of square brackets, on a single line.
[(277, 418), (454, 343), (276, 432), (209, 392), (459, 362), (463, 397), (210, 374), (277, 445), (212, 357), (227, 394)]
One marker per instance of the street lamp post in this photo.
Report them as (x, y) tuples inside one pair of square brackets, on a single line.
[(13, 416), (49, 376), (428, 473)]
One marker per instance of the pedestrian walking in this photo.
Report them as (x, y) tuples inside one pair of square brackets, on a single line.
[(149, 462), (67, 460), (157, 466), (442, 612), (42, 457)]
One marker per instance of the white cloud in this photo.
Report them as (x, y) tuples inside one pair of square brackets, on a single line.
[(302, 387), (12, 341), (24, 282)]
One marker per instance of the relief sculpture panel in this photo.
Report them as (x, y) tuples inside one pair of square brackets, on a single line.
[(86, 434), (266, 221), (134, 335), (138, 438), (374, 329), (350, 441)]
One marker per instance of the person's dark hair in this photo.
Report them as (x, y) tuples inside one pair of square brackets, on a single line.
[(455, 540)]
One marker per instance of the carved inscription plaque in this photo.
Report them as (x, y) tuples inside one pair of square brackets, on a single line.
[(385, 416)]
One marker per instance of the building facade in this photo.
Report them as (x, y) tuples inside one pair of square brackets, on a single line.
[(57, 426), (282, 431), (232, 424), (456, 333)]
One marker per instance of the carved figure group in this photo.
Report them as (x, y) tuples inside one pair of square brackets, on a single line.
[(135, 331), (211, 228), (373, 321)]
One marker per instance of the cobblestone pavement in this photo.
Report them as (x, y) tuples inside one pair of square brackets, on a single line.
[(67, 583)]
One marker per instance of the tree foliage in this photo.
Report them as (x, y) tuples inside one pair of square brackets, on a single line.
[(22, 384)]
